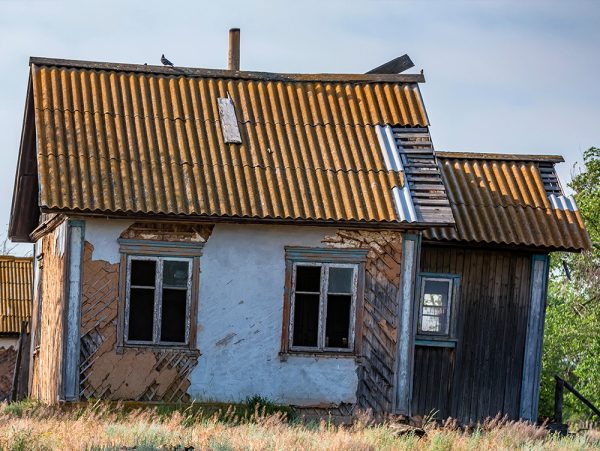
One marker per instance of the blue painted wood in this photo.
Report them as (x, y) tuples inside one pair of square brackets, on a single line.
[(532, 361), (436, 343), (326, 255)]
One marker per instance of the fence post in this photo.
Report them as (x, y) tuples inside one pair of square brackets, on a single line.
[(558, 399)]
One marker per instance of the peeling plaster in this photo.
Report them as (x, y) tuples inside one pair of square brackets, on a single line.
[(103, 235)]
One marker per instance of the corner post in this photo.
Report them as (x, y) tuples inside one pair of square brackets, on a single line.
[(71, 337), (532, 360), (411, 250)]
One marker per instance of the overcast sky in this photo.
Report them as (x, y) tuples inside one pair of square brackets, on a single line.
[(510, 77)]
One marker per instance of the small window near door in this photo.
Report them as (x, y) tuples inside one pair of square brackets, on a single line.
[(435, 305)]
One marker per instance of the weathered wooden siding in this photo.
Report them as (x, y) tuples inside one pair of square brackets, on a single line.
[(131, 373), (483, 373), (8, 358), (434, 367), (380, 314), (47, 352)]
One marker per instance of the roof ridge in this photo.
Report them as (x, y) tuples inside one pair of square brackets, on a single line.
[(223, 73)]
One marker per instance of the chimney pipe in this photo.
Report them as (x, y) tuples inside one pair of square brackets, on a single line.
[(234, 49)]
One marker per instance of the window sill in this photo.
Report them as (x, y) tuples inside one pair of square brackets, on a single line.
[(283, 356), (436, 342), (186, 350)]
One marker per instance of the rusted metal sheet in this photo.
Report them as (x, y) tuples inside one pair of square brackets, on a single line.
[(15, 293), (504, 199), (139, 140)]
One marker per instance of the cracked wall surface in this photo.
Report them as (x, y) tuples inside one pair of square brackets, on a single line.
[(130, 373), (240, 322), (380, 313)]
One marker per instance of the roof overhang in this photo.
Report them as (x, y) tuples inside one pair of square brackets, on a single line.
[(25, 212)]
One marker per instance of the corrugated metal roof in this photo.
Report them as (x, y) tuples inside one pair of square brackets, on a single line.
[(15, 292), (115, 138), (502, 199)]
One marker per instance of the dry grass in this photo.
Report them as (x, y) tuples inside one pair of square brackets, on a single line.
[(25, 426)]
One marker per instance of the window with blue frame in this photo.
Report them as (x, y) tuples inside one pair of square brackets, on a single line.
[(437, 299)]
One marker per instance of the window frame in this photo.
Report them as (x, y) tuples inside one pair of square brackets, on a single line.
[(325, 258), (452, 308), (158, 292), (160, 252)]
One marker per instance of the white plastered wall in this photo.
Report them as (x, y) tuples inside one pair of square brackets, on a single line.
[(240, 317)]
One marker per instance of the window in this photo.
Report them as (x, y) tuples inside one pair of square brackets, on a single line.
[(158, 300), (159, 293), (322, 300), (436, 304)]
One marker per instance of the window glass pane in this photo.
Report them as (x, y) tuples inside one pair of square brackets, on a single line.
[(434, 311), (308, 278), (306, 319), (431, 324), (340, 280), (337, 326), (174, 304), (175, 273), (143, 272), (141, 314)]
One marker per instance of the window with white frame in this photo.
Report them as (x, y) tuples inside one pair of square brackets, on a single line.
[(158, 300), (323, 306), (436, 304)]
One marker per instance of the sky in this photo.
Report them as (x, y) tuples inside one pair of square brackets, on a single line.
[(502, 76)]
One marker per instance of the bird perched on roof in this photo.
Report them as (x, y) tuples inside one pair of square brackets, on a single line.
[(165, 61)]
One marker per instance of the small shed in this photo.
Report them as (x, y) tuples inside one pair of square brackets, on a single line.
[(491, 270), (15, 309)]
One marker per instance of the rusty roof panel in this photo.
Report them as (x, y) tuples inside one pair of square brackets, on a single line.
[(504, 201), (15, 293), (138, 142)]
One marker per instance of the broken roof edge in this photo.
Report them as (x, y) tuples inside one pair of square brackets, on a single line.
[(223, 73), (499, 156)]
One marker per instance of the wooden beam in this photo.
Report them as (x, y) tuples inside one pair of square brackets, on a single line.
[(403, 378), (395, 66), (71, 338)]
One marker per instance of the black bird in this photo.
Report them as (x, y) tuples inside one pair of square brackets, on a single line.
[(165, 61)]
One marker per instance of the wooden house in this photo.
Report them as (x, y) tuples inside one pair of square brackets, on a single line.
[(217, 234), (15, 309)]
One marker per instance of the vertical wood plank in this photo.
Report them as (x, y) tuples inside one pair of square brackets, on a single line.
[(75, 237), (405, 346), (535, 335)]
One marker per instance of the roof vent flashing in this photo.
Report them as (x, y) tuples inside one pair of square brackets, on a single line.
[(229, 124)]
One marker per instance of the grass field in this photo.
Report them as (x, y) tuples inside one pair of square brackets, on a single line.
[(26, 425)]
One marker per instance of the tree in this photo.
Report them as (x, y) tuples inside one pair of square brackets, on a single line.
[(572, 334)]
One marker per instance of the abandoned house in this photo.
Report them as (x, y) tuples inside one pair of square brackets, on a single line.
[(15, 309), (216, 234)]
